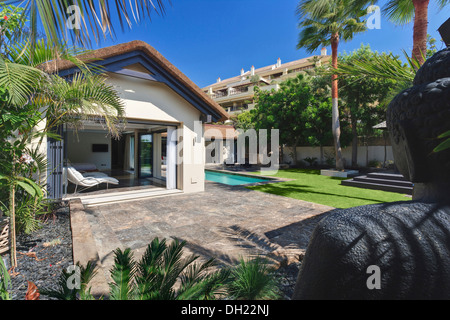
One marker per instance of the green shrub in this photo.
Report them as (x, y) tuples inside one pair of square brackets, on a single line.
[(4, 281), (166, 273), (312, 161), (374, 164)]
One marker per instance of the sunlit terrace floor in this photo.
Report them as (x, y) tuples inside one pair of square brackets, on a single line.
[(127, 182), (225, 222)]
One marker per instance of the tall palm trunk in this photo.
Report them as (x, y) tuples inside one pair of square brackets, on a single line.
[(335, 108), (420, 29)]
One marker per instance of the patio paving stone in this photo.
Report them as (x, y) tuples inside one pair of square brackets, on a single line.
[(225, 222)]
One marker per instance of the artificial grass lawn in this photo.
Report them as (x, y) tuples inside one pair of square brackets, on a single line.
[(309, 185)]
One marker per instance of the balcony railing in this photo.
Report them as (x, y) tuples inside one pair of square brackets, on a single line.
[(219, 94), (234, 91)]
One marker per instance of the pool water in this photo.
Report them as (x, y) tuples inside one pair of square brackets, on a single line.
[(230, 179)]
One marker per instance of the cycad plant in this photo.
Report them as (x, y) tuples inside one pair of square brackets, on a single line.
[(254, 279), (165, 272), (73, 285)]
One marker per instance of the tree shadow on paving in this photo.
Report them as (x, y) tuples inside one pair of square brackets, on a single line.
[(221, 257), (242, 239), (297, 234), (271, 244)]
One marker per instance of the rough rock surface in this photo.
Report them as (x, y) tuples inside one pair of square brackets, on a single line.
[(408, 241)]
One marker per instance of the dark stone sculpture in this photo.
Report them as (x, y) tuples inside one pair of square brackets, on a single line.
[(408, 243), (415, 118)]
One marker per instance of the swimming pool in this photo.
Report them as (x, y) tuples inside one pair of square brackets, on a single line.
[(231, 179)]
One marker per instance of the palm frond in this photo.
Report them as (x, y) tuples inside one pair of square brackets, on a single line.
[(399, 11), (445, 144), (75, 291), (95, 18), (19, 80), (122, 275), (384, 65), (320, 19), (85, 97), (43, 52), (253, 280), (199, 284)]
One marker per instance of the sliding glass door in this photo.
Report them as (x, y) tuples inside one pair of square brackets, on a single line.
[(145, 155)]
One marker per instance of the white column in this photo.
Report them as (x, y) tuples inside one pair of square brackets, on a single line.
[(171, 163)]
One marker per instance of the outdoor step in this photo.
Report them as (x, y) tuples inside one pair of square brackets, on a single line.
[(125, 196), (394, 182), (387, 176), (377, 186)]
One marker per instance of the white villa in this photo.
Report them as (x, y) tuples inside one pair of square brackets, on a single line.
[(161, 148)]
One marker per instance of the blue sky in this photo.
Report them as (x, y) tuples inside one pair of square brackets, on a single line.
[(207, 39)]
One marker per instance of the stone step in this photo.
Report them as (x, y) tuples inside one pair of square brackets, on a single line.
[(387, 176), (104, 199), (377, 186), (379, 180)]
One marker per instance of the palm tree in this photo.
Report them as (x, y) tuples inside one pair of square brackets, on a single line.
[(80, 20), (34, 96), (324, 23), (404, 11)]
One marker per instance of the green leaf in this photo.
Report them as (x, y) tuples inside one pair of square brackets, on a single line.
[(4, 281), (444, 135), (28, 188), (443, 146)]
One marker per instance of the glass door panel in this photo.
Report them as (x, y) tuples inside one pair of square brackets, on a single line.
[(145, 155)]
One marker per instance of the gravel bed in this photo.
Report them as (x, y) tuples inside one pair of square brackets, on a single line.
[(288, 275), (42, 255)]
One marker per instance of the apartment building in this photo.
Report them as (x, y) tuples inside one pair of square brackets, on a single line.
[(236, 94)]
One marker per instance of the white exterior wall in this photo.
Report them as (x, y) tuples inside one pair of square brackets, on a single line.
[(42, 146), (80, 148), (147, 100)]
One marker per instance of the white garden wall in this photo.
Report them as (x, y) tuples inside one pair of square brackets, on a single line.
[(365, 154)]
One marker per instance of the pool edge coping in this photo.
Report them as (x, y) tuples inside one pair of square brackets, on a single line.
[(241, 173)]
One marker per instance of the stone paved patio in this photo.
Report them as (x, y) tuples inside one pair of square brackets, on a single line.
[(225, 222)]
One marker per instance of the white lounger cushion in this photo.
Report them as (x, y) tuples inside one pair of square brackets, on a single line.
[(94, 175), (88, 181)]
